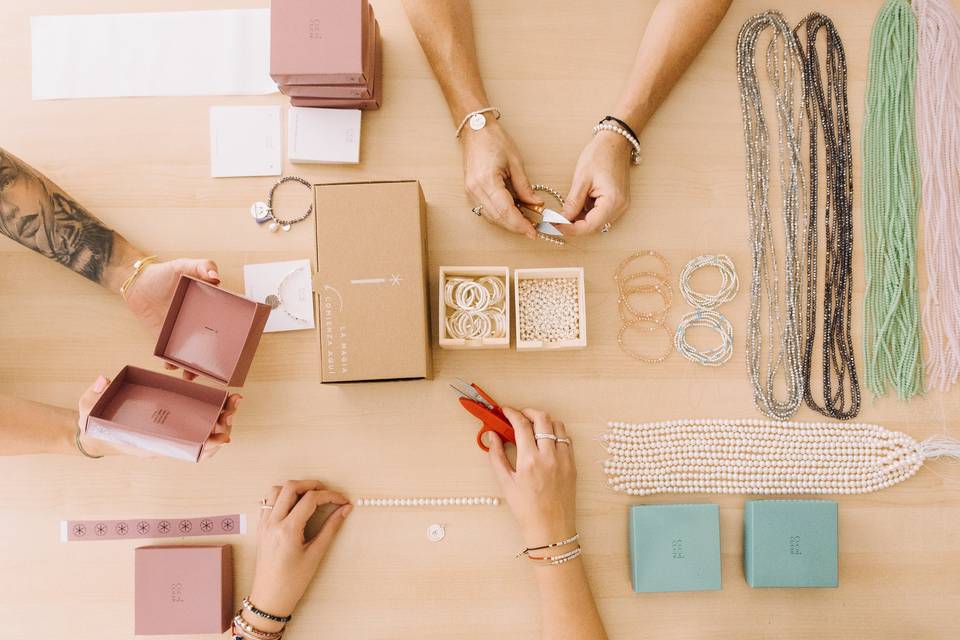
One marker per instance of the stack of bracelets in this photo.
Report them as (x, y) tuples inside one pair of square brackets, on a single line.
[(704, 314), (478, 307), (541, 557), (243, 630), (644, 282)]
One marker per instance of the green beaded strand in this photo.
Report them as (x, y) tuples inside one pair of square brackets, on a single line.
[(890, 204)]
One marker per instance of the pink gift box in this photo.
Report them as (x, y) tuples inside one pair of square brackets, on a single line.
[(334, 103), (208, 331), (183, 589), (340, 91)]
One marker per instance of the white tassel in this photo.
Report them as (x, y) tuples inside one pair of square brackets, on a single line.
[(939, 447)]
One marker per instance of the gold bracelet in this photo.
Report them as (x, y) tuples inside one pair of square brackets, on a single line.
[(138, 268), (76, 439)]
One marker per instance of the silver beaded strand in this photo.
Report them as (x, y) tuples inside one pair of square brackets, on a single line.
[(785, 71)]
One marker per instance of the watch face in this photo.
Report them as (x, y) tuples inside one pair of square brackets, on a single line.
[(478, 121)]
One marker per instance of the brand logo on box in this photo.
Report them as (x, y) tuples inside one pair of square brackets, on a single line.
[(334, 333), (676, 549), (313, 29), (160, 416), (176, 592), (795, 546)]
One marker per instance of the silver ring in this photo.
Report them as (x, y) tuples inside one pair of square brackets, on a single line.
[(606, 228), (565, 441), (264, 505), (477, 210), (544, 436)]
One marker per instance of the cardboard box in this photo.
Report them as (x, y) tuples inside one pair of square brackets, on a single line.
[(372, 281), (546, 274), (675, 547), (183, 589), (315, 42), (448, 342), (208, 331), (790, 543)]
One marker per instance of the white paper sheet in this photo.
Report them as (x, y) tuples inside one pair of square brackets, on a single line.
[(176, 53), (245, 141), (323, 135), (262, 280)]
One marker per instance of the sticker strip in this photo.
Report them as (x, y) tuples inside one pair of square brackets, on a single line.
[(138, 528)]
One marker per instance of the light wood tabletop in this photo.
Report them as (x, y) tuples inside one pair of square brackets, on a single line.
[(553, 68)]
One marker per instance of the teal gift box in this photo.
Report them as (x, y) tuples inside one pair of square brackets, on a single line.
[(675, 547), (790, 543)]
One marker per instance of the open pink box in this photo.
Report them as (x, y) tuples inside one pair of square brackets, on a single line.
[(208, 331)]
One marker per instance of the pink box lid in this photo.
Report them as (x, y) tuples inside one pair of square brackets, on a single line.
[(319, 41), (183, 589), (211, 331)]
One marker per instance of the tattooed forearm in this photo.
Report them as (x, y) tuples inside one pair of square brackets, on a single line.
[(36, 213)]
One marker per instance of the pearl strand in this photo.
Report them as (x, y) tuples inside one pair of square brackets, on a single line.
[(753, 456), (469, 501)]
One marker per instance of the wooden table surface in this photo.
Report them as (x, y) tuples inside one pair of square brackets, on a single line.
[(142, 165)]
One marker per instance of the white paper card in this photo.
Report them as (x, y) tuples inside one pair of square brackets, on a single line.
[(329, 136), (245, 141), (175, 53), (292, 282)]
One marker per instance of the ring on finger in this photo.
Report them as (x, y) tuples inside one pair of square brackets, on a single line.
[(606, 228), (545, 436), (264, 505), (564, 440), (477, 210)]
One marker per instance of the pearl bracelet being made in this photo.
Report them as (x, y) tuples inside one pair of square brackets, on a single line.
[(471, 501), (607, 126), (754, 456)]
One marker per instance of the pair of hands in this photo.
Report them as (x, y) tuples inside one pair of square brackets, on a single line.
[(540, 490), (148, 300), (494, 173)]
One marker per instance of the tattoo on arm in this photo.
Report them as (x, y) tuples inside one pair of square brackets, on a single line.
[(37, 213)]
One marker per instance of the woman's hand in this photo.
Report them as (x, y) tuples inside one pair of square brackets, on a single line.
[(150, 295), (601, 182), (541, 491), (219, 437), (286, 561), (491, 168)]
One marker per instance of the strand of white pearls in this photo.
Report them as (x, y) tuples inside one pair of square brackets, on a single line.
[(469, 501), (755, 456), (729, 282), (549, 309)]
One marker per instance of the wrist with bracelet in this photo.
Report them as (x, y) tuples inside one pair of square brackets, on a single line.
[(545, 555), (621, 128), (243, 629)]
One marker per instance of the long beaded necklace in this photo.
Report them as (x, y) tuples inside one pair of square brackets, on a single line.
[(763, 457), (784, 70), (891, 333), (829, 108), (938, 144)]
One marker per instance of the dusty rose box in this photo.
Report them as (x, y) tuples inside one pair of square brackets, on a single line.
[(320, 42), (208, 331), (349, 103), (183, 589), (339, 91)]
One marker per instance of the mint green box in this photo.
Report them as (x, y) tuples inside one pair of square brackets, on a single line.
[(790, 543), (675, 547)]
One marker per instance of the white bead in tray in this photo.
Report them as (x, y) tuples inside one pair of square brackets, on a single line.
[(550, 306)]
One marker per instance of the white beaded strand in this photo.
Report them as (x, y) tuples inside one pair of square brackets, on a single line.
[(467, 501), (754, 456)]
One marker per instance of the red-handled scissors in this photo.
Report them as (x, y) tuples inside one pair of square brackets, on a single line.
[(483, 407)]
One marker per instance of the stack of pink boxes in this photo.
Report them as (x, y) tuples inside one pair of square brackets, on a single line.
[(326, 53)]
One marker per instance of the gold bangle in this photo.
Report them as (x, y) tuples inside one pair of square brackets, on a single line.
[(138, 268), (76, 439)]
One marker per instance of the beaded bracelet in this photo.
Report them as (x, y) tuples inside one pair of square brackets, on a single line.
[(263, 614), (729, 285), (711, 320), (552, 545), (243, 628), (557, 559), (635, 152)]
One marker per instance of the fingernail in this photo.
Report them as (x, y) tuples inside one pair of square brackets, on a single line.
[(346, 510), (213, 274), (100, 385), (229, 421)]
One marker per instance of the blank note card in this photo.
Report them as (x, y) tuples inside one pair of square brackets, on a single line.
[(245, 141)]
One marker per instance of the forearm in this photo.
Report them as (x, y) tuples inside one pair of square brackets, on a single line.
[(30, 427), (39, 215), (568, 610), (445, 31), (677, 31)]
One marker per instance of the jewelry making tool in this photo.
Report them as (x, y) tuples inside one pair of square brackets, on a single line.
[(753, 456), (139, 528), (481, 406), (547, 218)]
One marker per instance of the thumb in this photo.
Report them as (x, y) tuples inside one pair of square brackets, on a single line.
[(92, 394), (576, 200), (321, 542), (203, 269), (521, 185)]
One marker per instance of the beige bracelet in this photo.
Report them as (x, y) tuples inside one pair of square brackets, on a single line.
[(606, 126), (138, 268)]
